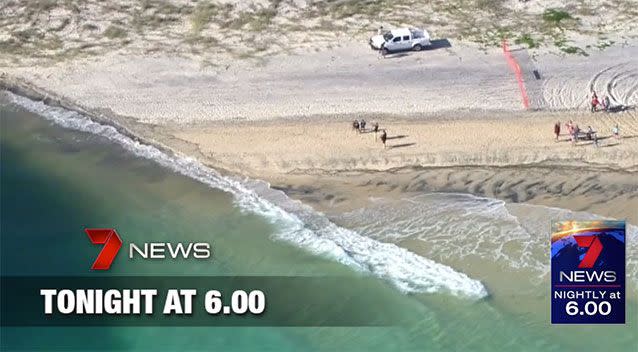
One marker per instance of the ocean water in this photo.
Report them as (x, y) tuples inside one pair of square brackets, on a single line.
[(463, 273)]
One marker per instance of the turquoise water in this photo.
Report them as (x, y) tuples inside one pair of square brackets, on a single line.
[(55, 181)]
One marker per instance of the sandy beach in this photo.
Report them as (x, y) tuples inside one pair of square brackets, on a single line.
[(454, 115), (293, 116), (327, 164)]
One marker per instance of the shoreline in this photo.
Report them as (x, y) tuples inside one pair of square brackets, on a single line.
[(296, 182)]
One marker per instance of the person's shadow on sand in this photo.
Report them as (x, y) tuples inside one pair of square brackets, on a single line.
[(620, 108), (607, 145), (401, 145), (397, 137)]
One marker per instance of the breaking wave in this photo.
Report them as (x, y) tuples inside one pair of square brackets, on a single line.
[(295, 222)]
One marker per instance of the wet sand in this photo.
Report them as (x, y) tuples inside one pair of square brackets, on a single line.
[(607, 193)]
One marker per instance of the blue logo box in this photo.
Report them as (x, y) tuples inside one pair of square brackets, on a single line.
[(588, 272)]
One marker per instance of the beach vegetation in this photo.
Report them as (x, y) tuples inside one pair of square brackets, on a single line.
[(603, 44), (90, 27), (54, 43), (573, 50), (583, 10), (556, 16), (244, 55), (160, 23), (264, 17), (202, 15), (528, 40), (70, 53), (65, 22), (115, 32), (256, 19), (562, 45), (41, 5), (202, 40), (27, 35), (13, 46), (341, 9), (156, 13), (238, 22)]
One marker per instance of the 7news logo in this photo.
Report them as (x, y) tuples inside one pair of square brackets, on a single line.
[(148, 250), (594, 248), (588, 272)]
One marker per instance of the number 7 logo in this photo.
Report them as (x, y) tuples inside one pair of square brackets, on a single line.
[(595, 247), (112, 244)]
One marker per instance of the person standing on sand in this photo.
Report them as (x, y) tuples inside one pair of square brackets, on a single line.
[(594, 102), (616, 131), (384, 137), (606, 103), (590, 133), (382, 50), (375, 128), (355, 125), (362, 125), (570, 130), (574, 135), (557, 130)]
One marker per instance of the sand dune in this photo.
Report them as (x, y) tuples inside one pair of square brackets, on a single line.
[(216, 33)]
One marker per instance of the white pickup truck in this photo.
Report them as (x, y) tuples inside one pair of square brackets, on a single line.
[(401, 39)]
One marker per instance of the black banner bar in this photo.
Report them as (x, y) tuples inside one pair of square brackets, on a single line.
[(289, 301)]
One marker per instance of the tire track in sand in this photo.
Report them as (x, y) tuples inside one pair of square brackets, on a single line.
[(619, 83)]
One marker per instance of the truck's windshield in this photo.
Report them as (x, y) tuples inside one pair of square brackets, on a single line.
[(387, 36)]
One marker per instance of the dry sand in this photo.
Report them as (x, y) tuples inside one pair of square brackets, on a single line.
[(161, 90), (330, 146)]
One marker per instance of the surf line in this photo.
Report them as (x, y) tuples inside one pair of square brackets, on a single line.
[(517, 71), (407, 271)]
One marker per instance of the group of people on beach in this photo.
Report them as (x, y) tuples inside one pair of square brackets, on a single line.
[(360, 126), (604, 103), (575, 132)]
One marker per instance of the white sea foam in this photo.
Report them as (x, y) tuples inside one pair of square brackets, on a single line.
[(296, 223), (464, 226)]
